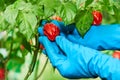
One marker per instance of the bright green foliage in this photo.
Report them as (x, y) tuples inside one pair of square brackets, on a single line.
[(83, 21), (15, 63), (10, 14), (49, 7), (116, 13), (21, 19), (88, 2), (67, 12), (27, 14)]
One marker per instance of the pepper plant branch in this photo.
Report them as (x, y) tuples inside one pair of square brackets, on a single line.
[(35, 52), (37, 66), (10, 51), (42, 70), (32, 65), (8, 57)]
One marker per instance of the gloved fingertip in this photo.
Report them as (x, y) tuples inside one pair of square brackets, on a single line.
[(64, 44), (62, 40), (43, 22), (40, 30), (59, 24), (62, 34), (56, 23), (43, 39), (58, 39), (40, 39), (75, 32), (71, 37)]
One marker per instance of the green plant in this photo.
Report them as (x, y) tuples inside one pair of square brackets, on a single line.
[(20, 20)]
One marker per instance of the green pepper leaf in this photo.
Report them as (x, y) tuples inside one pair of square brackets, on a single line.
[(24, 42), (10, 14), (3, 23), (1, 57), (2, 5), (116, 13), (38, 11), (106, 2), (23, 6), (27, 24), (49, 7), (83, 21), (88, 2), (15, 63), (67, 12)]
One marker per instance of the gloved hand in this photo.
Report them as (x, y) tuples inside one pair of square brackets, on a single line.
[(63, 29), (76, 61), (100, 37)]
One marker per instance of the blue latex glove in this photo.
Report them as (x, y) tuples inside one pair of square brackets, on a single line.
[(76, 61), (100, 37)]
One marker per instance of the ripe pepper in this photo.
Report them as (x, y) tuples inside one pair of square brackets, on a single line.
[(97, 17), (51, 31), (116, 54), (2, 74)]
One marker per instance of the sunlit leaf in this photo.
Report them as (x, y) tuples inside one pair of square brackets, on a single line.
[(27, 24), (67, 11), (88, 2), (49, 7), (24, 42), (83, 21), (10, 14)]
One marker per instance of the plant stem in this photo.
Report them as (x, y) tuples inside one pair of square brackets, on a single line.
[(36, 69), (42, 70), (8, 57), (37, 66), (11, 48), (32, 65)]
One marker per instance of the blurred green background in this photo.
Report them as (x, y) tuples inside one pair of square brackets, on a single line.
[(18, 71), (49, 72)]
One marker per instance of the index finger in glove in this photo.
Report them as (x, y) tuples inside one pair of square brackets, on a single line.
[(66, 46), (40, 31)]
